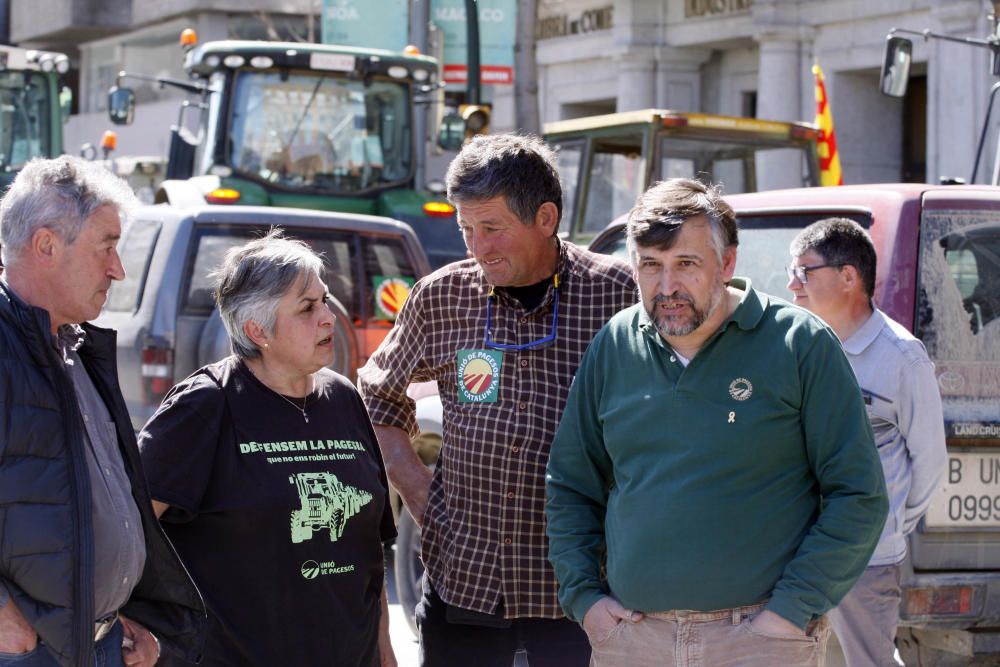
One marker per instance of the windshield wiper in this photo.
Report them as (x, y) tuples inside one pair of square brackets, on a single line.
[(305, 112)]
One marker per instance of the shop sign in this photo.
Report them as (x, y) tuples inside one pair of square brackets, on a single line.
[(497, 27), (561, 25), (700, 8), (371, 24)]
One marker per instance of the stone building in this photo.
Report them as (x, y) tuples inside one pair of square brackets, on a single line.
[(105, 37), (736, 57), (754, 58)]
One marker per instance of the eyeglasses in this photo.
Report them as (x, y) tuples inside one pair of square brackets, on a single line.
[(801, 273), (490, 344)]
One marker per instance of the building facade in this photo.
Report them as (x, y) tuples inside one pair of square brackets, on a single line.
[(734, 57), (142, 36), (754, 58)]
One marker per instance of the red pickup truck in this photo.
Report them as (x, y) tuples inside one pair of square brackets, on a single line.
[(939, 275)]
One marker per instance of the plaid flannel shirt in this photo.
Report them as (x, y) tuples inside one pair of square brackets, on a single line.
[(484, 528)]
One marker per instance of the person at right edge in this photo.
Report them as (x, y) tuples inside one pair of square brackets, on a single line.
[(714, 457), (833, 275)]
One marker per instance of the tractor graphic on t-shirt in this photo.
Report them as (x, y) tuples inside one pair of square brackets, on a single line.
[(326, 503)]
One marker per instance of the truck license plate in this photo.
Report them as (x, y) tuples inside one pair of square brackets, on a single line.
[(969, 496)]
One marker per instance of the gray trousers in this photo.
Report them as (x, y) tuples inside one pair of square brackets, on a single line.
[(865, 620)]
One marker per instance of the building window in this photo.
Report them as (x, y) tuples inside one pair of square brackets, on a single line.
[(104, 78), (915, 132)]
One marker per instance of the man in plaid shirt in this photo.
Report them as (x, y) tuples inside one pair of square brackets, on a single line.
[(502, 334)]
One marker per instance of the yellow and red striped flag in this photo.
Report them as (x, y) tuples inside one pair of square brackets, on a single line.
[(829, 158)]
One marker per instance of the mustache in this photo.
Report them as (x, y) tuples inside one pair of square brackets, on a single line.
[(676, 296)]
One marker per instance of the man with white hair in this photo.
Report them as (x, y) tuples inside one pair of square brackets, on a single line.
[(80, 540)]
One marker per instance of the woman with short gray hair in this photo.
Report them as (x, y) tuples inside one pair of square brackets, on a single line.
[(267, 476)]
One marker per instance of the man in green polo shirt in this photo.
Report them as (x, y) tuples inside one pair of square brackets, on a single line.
[(715, 457)]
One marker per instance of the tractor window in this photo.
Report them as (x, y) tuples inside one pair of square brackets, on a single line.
[(728, 163), (617, 169), (320, 132), (210, 119), (26, 109), (568, 159)]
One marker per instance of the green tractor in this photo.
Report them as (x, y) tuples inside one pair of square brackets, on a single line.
[(34, 104), (303, 125)]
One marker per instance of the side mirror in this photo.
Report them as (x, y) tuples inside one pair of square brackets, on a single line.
[(896, 66), (121, 105), (451, 133)]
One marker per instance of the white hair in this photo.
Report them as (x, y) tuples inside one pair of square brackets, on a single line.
[(59, 194)]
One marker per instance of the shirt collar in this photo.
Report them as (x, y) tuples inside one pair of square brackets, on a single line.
[(564, 266), (866, 334), (750, 310), (70, 336)]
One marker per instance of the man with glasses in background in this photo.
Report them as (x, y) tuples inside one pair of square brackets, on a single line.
[(502, 334), (833, 275)]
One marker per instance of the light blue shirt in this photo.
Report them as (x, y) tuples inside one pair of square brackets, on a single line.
[(901, 394)]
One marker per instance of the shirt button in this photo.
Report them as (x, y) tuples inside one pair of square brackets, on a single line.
[(673, 359), (524, 320), (107, 471), (508, 541), (126, 524), (515, 449), (522, 406), (510, 495), (524, 362), (86, 418), (125, 581)]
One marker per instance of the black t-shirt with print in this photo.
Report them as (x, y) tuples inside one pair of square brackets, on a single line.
[(280, 521)]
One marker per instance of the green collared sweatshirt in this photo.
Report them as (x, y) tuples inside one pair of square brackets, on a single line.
[(750, 474)]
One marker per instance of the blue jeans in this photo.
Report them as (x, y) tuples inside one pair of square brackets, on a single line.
[(107, 653)]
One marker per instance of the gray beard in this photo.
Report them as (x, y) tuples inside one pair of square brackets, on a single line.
[(698, 316)]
